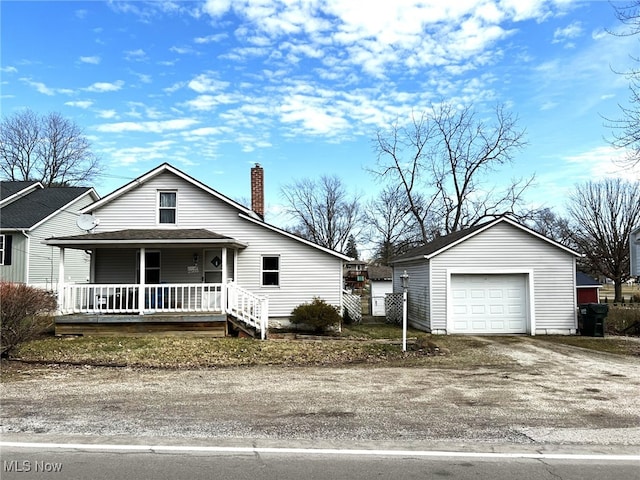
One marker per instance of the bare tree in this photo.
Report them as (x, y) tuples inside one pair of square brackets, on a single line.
[(50, 149), (392, 228), (441, 161), (555, 227), (626, 129), (322, 210), (604, 214)]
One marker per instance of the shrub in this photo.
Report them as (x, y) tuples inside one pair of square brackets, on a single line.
[(25, 312), (318, 314), (619, 319)]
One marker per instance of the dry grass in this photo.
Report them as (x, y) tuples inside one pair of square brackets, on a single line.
[(617, 345), (358, 345), (382, 345)]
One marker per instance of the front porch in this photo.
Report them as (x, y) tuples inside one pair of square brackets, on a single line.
[(111, 309)]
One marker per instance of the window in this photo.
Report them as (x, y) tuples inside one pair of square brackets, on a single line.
[(5, 249), (167, 210), (271, 271), (151, 267)]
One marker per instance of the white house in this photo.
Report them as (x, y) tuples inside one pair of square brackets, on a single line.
[(634, 248), (497, 277), (29, 213), (201, 253)]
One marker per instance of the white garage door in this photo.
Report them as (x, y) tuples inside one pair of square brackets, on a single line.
[(489, 303)]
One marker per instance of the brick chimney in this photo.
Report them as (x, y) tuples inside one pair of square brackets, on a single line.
[(257, 190)]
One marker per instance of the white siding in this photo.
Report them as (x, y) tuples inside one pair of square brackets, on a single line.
[(115, 265), (305, 271), (417, 293), (44, 259), (505, 248), (16, 271)]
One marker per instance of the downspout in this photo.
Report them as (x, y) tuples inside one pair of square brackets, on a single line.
[(28, 258)]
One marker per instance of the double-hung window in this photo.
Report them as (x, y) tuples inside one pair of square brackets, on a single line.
[(167, 207), (5, 249), (270, 271)]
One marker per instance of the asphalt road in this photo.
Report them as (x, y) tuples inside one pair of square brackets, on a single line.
[(72, 464)]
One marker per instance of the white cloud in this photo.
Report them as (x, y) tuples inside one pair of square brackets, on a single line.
[(131, 155), (39, 86), (203, 83), (210, 38), (148, 127), (571, 31), (80, 104), (8, 69), (135, 55), (182, 50), (105, 86), (208, 102), (217, 8), (94, 60), (600, 162), (107, 114)]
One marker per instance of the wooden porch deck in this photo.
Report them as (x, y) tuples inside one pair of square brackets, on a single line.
[(214, 325)]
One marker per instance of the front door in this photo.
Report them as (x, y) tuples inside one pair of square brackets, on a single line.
[(212, 269)]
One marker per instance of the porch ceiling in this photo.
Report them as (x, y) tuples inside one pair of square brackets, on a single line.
[(144, 238)]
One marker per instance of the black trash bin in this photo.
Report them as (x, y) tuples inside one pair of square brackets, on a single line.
[(591, 319)]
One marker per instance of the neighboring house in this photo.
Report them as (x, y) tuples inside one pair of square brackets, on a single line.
[(634, 248), (587, 289), (381, 282), (497, 277), (29, 213), (169, 244), (355, 274)]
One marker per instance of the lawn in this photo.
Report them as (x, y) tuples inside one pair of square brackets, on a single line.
[(357, 344)]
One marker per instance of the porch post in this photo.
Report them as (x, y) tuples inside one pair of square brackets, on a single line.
[(61, 302), (223, 296), (142, 267)]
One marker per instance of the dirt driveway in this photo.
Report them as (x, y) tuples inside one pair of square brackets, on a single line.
[(548, 394)]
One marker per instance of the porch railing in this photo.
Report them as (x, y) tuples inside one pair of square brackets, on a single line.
[(125, 298), (167, 297), (248, 307)]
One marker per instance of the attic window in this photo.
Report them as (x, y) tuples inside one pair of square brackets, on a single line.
[(167, 207)]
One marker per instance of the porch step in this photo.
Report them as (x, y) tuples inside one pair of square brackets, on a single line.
[(242, 329)]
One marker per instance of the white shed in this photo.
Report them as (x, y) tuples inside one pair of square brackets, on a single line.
[(380, 280), (495, 278)]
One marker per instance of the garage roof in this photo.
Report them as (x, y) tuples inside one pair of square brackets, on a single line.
[(441, 244)]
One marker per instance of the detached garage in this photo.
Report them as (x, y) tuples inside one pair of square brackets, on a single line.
[(495, 278)]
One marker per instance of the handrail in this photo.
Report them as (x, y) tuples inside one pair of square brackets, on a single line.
[(248, 307)]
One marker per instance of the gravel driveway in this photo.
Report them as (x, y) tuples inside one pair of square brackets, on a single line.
[(549, 394)]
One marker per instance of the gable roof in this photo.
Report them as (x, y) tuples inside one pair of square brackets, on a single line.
[(10, 191), (28, 211), (243, 212), (442, 244), (585, 281), (377, 272), (165, 167)]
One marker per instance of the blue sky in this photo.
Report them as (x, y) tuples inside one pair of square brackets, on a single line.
[(302, 86)]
